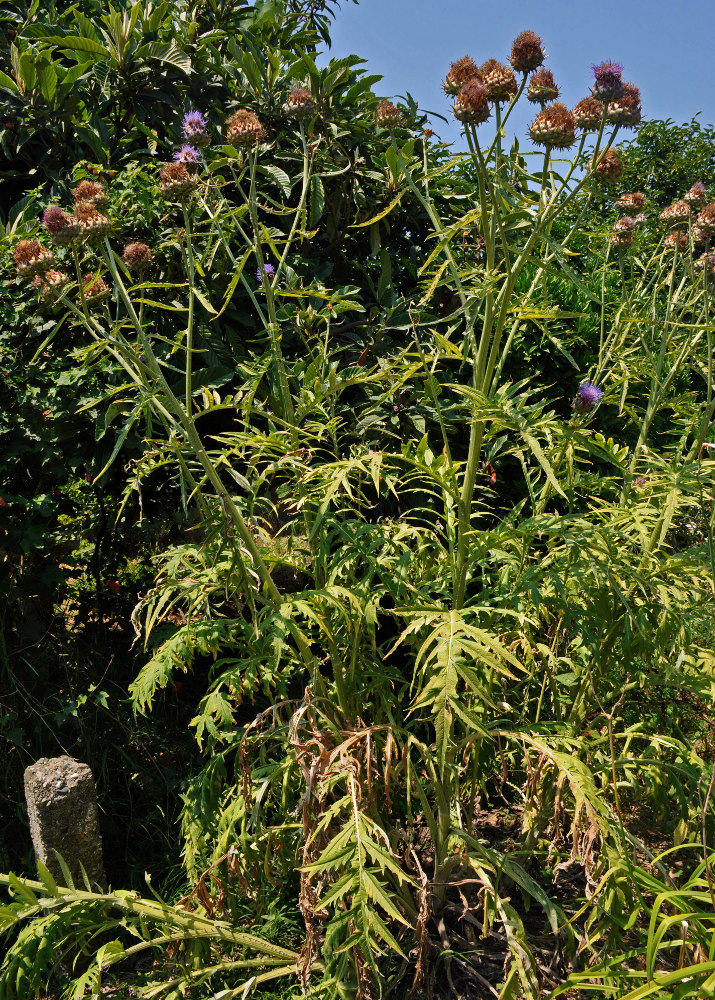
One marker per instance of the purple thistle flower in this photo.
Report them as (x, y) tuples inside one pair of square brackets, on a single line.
[(268, 269), (588, 396), (194, 128), (608, 85), (188, 155)]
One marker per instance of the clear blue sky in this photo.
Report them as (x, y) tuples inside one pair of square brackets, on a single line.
[(667, 48)]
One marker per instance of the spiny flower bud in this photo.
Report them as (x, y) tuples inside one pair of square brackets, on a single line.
[(49, 283), (93, 224), (527, 52), (31, 257), (706, 218), (62, 228), (678, 238), (499, 80), (137, 256), (459, 72), (696, 196), (92, 192), (176, 182), (607, 85), (622, 234), (542, 88), (94, 289), (300, 103), (631, 203), (609, 167), (244, 128), (626, 111), (194, 129), (587, 397), (472, 104), (589, 114), (554, 126), (387, 115), (676, 214)]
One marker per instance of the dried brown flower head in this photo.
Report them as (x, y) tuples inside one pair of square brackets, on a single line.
[(676, 214), (609, 167), (706, 218), (31, 257), (499, 80), (92, 192), (706, 264), (94, 289), (554, 126), (387, 115), (623, 231), (626, 111), (244, 128), (542, 87), (472, 104), (677, 239), (459, 72), (527, 52), (589, 114), (699, 235), (696, 196), (176, 181), (61, 227), (137, 256), (300, 103), (93, 224), (49, 283), (631, 203)]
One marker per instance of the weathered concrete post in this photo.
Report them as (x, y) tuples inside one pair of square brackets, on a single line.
[(62, 809)]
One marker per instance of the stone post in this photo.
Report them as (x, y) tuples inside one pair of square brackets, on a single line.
[(62, 808)]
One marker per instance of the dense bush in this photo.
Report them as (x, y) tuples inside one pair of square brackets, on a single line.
[(436, 428)]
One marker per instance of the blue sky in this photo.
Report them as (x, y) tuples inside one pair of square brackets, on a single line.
[(667, 49)]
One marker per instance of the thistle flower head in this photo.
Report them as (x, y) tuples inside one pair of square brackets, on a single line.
[(623, 230), (91, 192), (61, 227), (195, 130), (387, 115), (49, 283), (626, 110), (631, 203), (677, 239), (244, 128), (268, 270), (31, 257), (188, 155), (640, 219), (699, 235), (527, 52), (137, 256), (499, 80), (93, 224), (554, 126), (472, 103), (607, 85), (696, 196), (706, 264), (300, 103), (587, 397), (459, 72), (676, 214), (94, 289), (542, 87), (608, 168), (706, 218), (176, 182), (589, 114)]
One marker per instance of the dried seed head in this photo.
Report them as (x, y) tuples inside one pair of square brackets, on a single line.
[(176, 181), (137, 256), (499, 80), (244, 128), (589, 114), (95, 289), (640, 219), (542, 88), (554, 126), (706, 218), (623, 229), (31, 257), (194, 129), (626, 111), (300, 103), (93, 224), (607, 85), (387, 115), (676, 214), (678, 238), (472, 104), (700, 236), (92, 192), (631, 203), (696, 196), (527, 52), (459, 72), (608, 169), (49, 283), (706, 264), (62, 228)]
